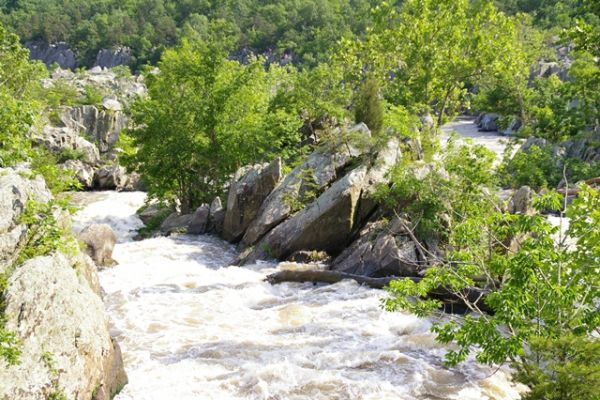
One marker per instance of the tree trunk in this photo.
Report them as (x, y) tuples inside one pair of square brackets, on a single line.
[(473, 296)]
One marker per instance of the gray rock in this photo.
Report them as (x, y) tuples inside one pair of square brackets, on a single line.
[(488, 122), (58, 53), (112, 104), (58, 318), (381, 250), (104, 126), (249, 189), (62, 139), (110, 177), (199, 222), (15, 190), (318, 171), (310, 257), (109, 58), (83, 172), (216, 217), (100, 241), (176, 223)]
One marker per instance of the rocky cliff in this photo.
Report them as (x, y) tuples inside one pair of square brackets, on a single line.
[(52, 303)]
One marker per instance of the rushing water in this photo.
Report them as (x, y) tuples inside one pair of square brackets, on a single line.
[(193, 327)]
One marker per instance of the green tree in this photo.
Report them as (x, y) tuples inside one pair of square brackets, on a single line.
[(204, 117), (368, 107), (542, 290)]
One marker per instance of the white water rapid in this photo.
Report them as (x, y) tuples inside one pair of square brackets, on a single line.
[(192, 327)]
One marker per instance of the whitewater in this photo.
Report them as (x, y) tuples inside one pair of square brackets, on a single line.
[(191, 326)]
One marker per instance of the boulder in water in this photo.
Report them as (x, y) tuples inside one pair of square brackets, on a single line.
[(176, 223), (249, 189), (100, 241)]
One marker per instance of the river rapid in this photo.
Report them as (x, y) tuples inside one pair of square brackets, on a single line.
[(193, 327)]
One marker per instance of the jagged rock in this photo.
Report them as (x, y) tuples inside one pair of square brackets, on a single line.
[(62, 139), (59, 321), (329, 222), (382, 249), (199, 222), (83, 172), (58, 53), (216, 217), (521, 201), (110, 177), (176, 223), (109, 58), (488, 122), (249, 189), (104, 126), (100, 241), (15, 190), (533, 141), (318, 171)]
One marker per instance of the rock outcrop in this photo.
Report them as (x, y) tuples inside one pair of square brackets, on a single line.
[(99, 240), (382, 249), (52, 304), (56, 53), (330, 221), (63, 329), (487, 122), (250, 187), (104, 125), (108, 58), (15, 191)]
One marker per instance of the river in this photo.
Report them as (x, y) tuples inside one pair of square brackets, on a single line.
[(193, 327)]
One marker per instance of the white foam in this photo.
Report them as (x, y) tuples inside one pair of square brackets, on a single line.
[(192, 327)]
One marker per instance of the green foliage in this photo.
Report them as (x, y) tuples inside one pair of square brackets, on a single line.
[(45, 234), (10, 349), (307, 190), (438, 196), (188, 145), (543, 295), (368, 107), (306, 28), (536, 168), (428, 53)]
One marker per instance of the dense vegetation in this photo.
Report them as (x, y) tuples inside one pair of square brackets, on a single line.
[(403, 68)]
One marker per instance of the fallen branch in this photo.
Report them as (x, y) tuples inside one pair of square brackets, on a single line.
[(472, 295)]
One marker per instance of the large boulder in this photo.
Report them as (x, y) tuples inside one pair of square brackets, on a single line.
[(382, 249), (330, 222), (63, 330), (249, 189), (199, 221), (176, 223), (488, 122), (522, 201), (16, 189), (100, 241), (317, 172), (110, 177)]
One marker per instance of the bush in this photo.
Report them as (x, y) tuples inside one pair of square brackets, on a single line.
[(368, 107), (535, 168)]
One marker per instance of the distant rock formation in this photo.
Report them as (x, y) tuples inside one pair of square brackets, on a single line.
[(109, 58), (59, 53)]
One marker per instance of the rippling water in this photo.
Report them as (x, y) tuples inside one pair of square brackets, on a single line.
[(193, 327)]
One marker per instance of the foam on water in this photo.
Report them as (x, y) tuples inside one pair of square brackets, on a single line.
[(193, 327)]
